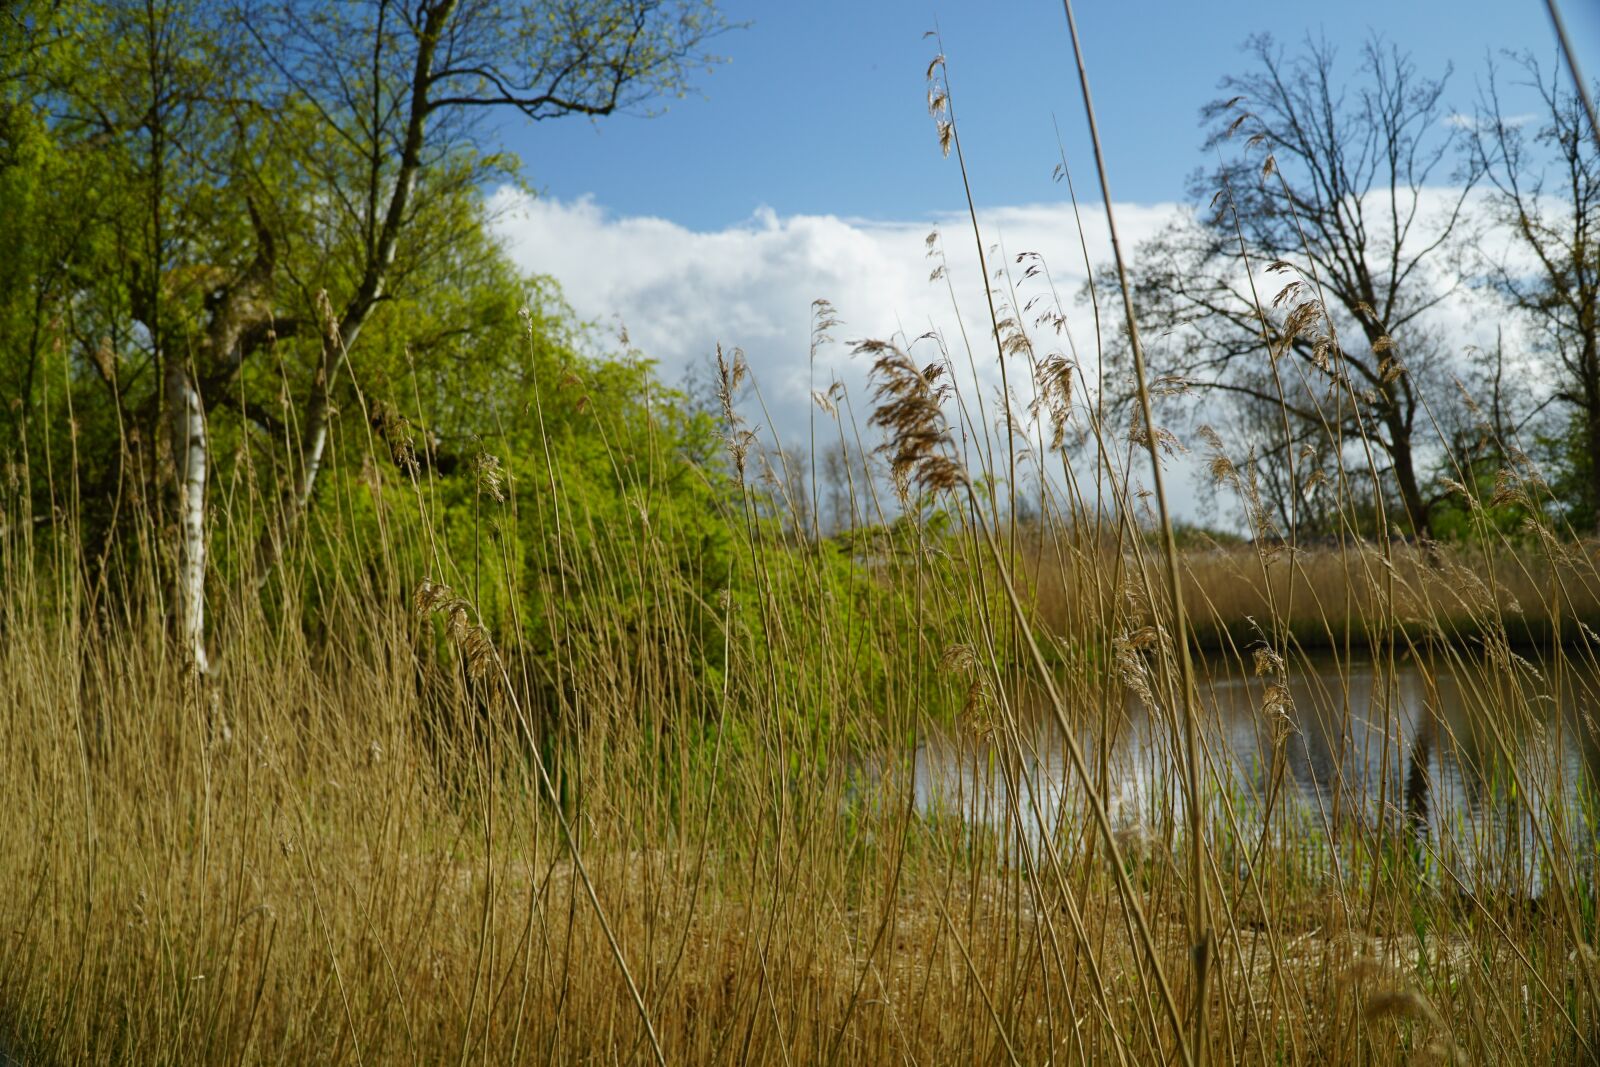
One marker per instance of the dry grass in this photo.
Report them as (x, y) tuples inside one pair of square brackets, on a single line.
[(342, 851), (1236, 595)]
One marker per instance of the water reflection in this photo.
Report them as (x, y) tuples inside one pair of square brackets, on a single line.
[(1486, 771)]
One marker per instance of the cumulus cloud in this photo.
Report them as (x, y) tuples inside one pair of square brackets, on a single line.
[(681, 292)]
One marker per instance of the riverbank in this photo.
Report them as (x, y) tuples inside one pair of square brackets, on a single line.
[(343, 855), (1238, 597)]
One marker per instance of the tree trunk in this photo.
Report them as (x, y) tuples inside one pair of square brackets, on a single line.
[(1405, 476), (187, 426), (315, 440), (340, 336), (1591, 436), (313, 443)]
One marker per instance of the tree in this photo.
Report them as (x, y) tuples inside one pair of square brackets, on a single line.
[(399, 93), (278, 173), (1544, 177), (1338, 180), (38, 232), (160, 291)]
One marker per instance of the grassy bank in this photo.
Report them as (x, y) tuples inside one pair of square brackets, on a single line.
[(1239, 596)]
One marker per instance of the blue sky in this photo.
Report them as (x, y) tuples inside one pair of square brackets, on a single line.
[(820, 108)]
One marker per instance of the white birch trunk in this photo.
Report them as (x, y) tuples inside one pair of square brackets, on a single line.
[(188, 428), (316, 438), (337, 337), (308, 475)]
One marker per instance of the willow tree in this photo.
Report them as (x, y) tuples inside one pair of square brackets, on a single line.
[(40, 231), (149, 286), (399, 96)]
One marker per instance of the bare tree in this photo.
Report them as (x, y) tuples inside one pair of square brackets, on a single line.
[(785, 473), (1545, 180), (836, 496), (1279, 483), (1305, 279)]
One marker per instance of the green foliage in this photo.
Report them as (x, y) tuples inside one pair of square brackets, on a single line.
[(1475, 511), (203, 190), (1572, 462)]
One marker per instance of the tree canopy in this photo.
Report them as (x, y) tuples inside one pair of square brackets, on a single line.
[(231, 220)]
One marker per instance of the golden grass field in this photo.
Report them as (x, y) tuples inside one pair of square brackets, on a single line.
[(346, 851)]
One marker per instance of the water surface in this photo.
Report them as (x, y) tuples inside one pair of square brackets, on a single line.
[(1487, 771)]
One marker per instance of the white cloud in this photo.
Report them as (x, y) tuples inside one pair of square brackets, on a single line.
[(681, 292), (1463, 121)]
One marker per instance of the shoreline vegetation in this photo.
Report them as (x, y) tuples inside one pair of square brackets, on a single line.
[(398, 673), (384, 848), (384, 829), (1239, 595)]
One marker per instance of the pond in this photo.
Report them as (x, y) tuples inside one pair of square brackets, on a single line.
[(1486, 771)]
